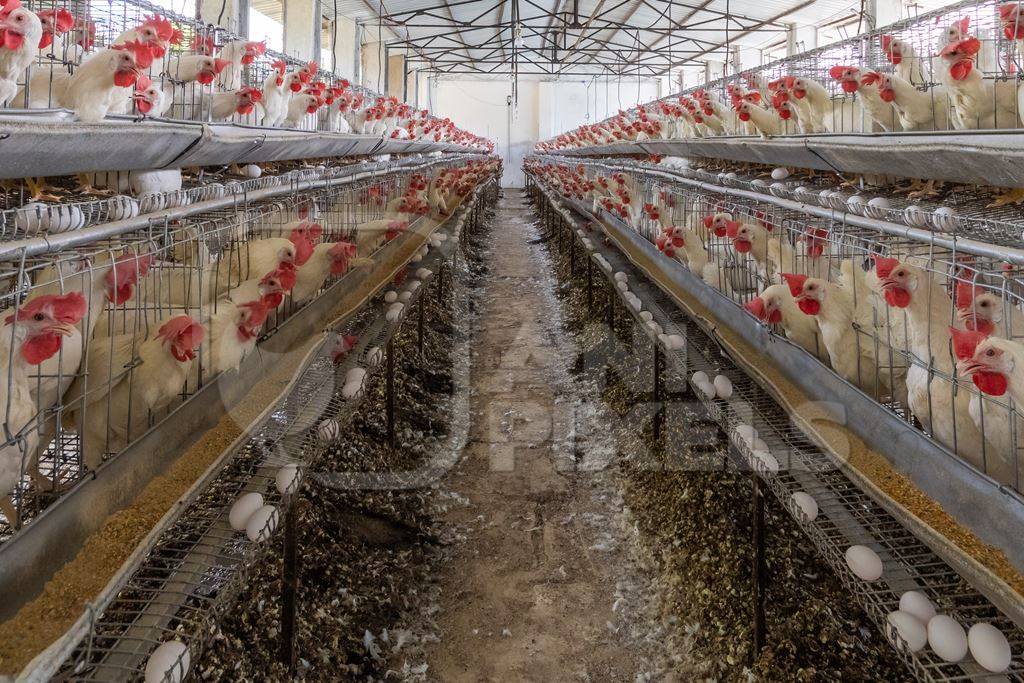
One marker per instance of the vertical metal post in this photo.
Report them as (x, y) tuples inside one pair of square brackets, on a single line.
[(419, 325), (390, 391), (658, 408), (289, 588), (759, 570), (590, 282)]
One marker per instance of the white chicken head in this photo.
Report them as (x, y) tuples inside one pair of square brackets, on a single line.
[(988, 361), (182, 334), (20, 29), (977, 308), (898, 280), (43, 322)]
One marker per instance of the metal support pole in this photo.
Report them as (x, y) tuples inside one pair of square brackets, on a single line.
[(658, 407), (390, 391), (590, 283), (419, 325), (759, 570), (289, 588)]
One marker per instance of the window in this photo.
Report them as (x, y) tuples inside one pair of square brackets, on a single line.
[(266, 22)]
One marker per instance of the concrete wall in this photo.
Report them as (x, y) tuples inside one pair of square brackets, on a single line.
[(302, 29), (344, 47), (545, 109)]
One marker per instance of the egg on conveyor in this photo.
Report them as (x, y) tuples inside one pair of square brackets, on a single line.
[(989, 647), (877, 208), (806, 504), (825, 198), (355, 375), (646, 316), (746, 433), (622, 285), (36, 217), (654, 327), (150, 202), (404, 297), (918, 604), (678, 341), (262, 524), (944, 219), (699, 377), (911, 631), (169, 663), (121, 207), (351, 389), (766, 462), (731, 176), (328, 430), (416, 258), (707, 388), (856, 204), (252, 171), (864, 563), (780, 173), (287, 479), (723, 387), (414, 285), (777, 189), (758, 183), (374, 355), (243, 509), (947, 638), (424, 273), (915, 216), (394, 313)]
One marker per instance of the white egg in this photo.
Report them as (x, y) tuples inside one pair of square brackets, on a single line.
[(944, 219), (243, 508), (803, 190), (780, 173), (414, 285), (837, 200), (355, 375), (723, 387), (745, 432), (707, 388), (699, 377), (121, 207), (777, 189), (864, 563), (622, 285), (416, 258), (287, 479), (328, 430), (654, 327), (390, 297), (646, 316), (169, 663), (404, 297), (825, 197), (989, 647), (424, 273), (393, 314), (918, 604), (150, 202), (374, 355), (766, 462), (947, 638), (678, 341), (262, 524), (731, 176), (351, 390), (914, 216), (856, 204), (910, 630), (621, 277), (878, 207), (806, 504)]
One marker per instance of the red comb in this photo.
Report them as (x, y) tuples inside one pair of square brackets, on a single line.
[(795, 282), (965, 343), (870, 77), (884, 266), (965, 294)]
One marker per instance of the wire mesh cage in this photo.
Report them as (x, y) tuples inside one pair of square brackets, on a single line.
[(879, 308), (105, 340)]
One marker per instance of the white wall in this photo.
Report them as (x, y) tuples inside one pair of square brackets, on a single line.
[(546, 108)]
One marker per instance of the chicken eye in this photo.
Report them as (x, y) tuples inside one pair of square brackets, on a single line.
[(990, 353), (39, 317), (984, 304)]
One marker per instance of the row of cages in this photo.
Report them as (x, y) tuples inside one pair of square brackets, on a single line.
[(933, 334), (133, 58), (956, 68), (105, 340)]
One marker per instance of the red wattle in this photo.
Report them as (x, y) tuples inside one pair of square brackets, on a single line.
[(961, 70), (898, 297), (39, 348), (742, 246), (810, 306), (991, 383)]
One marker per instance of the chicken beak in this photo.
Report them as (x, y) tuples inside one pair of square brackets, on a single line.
[(969, 367), (63, 329)]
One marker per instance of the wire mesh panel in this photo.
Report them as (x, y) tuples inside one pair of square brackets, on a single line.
[(105, 340)]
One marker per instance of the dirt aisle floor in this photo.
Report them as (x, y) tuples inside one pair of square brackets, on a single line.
[(543, 587)]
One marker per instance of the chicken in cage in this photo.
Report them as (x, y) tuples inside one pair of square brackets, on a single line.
[(930, 332)]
